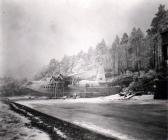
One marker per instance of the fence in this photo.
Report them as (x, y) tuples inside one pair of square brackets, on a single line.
[(55, 89)]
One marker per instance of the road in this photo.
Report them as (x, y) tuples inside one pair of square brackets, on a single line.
[(122, 120)]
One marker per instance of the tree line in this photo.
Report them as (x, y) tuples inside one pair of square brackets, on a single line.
[(134, 52)]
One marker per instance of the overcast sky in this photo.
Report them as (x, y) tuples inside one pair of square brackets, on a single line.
[(34, 31)]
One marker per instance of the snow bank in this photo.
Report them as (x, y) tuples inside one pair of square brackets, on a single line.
[(144, 97), (30, 103), (101, 100), (113, 97)]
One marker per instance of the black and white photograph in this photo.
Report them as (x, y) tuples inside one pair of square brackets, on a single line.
[(83, 70)]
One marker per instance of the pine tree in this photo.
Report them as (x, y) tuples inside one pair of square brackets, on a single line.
[(158, 24), (114, 53), (123, 53)]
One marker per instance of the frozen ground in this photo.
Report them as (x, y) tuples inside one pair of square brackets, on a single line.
[(12, 126)]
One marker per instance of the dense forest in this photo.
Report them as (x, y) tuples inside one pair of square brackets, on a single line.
[(134, 52)]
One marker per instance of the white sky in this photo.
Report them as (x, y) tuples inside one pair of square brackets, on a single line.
[(34, 31)]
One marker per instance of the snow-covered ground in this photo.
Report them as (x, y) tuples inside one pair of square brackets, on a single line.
[(12, 126), (143, 99)]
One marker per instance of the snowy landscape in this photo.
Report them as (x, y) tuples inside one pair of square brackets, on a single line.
[(83, 70)]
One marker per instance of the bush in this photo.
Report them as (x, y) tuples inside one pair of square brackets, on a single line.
[(12, 87)]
